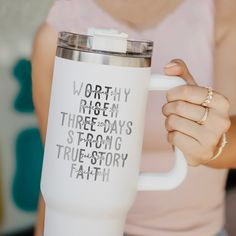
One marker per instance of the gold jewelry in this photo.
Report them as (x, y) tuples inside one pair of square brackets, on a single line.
[(221, 145), (204, 117), (209, 97)]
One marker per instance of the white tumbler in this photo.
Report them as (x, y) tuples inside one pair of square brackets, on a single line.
[(95, 133)]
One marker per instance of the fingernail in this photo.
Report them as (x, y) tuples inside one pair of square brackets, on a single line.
[(171, 64)]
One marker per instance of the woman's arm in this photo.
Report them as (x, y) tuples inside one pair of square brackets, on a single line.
[(44, 49), (225, 73), (43, 54)]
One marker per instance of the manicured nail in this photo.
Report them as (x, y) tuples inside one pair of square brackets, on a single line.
[(171, 64)]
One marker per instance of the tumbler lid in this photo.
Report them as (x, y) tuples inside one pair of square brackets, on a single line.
[(106, 41), (109, 40)]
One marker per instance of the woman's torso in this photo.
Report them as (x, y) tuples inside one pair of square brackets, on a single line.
[(197, 206)]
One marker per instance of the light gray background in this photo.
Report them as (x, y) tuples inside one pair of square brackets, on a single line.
[(19, 20)]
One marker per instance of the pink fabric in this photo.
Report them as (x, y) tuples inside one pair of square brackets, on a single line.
[(197, 206)]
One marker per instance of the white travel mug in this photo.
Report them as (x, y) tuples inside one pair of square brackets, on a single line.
[(95, 133)]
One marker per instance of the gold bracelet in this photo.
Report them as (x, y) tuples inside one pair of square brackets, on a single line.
[(222, 143)]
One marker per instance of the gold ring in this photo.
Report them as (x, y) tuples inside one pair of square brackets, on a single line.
[(204, 117), (209, 97)]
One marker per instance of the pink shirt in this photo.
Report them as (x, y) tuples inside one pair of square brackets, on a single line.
[(196, 208)]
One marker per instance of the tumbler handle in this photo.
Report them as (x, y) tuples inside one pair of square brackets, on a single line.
[(173, 178)]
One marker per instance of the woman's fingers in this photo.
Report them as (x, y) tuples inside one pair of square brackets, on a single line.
[(205, 136), (194, 148), (197, 95), (183, 111), (186, 134), (190, 92), (214, 122), (186, 102), (187, 110), (185, 126), (179, 68)]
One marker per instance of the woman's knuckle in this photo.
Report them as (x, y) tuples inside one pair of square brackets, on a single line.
[(175, 136), (223, 124), (164, 109), (187, 91), (227, 104), (224, 102), (172, 137), (226, 124), (171, 121), (167, 123), (179, 107)]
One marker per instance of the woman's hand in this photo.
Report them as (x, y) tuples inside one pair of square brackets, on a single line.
[(198, 142)]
